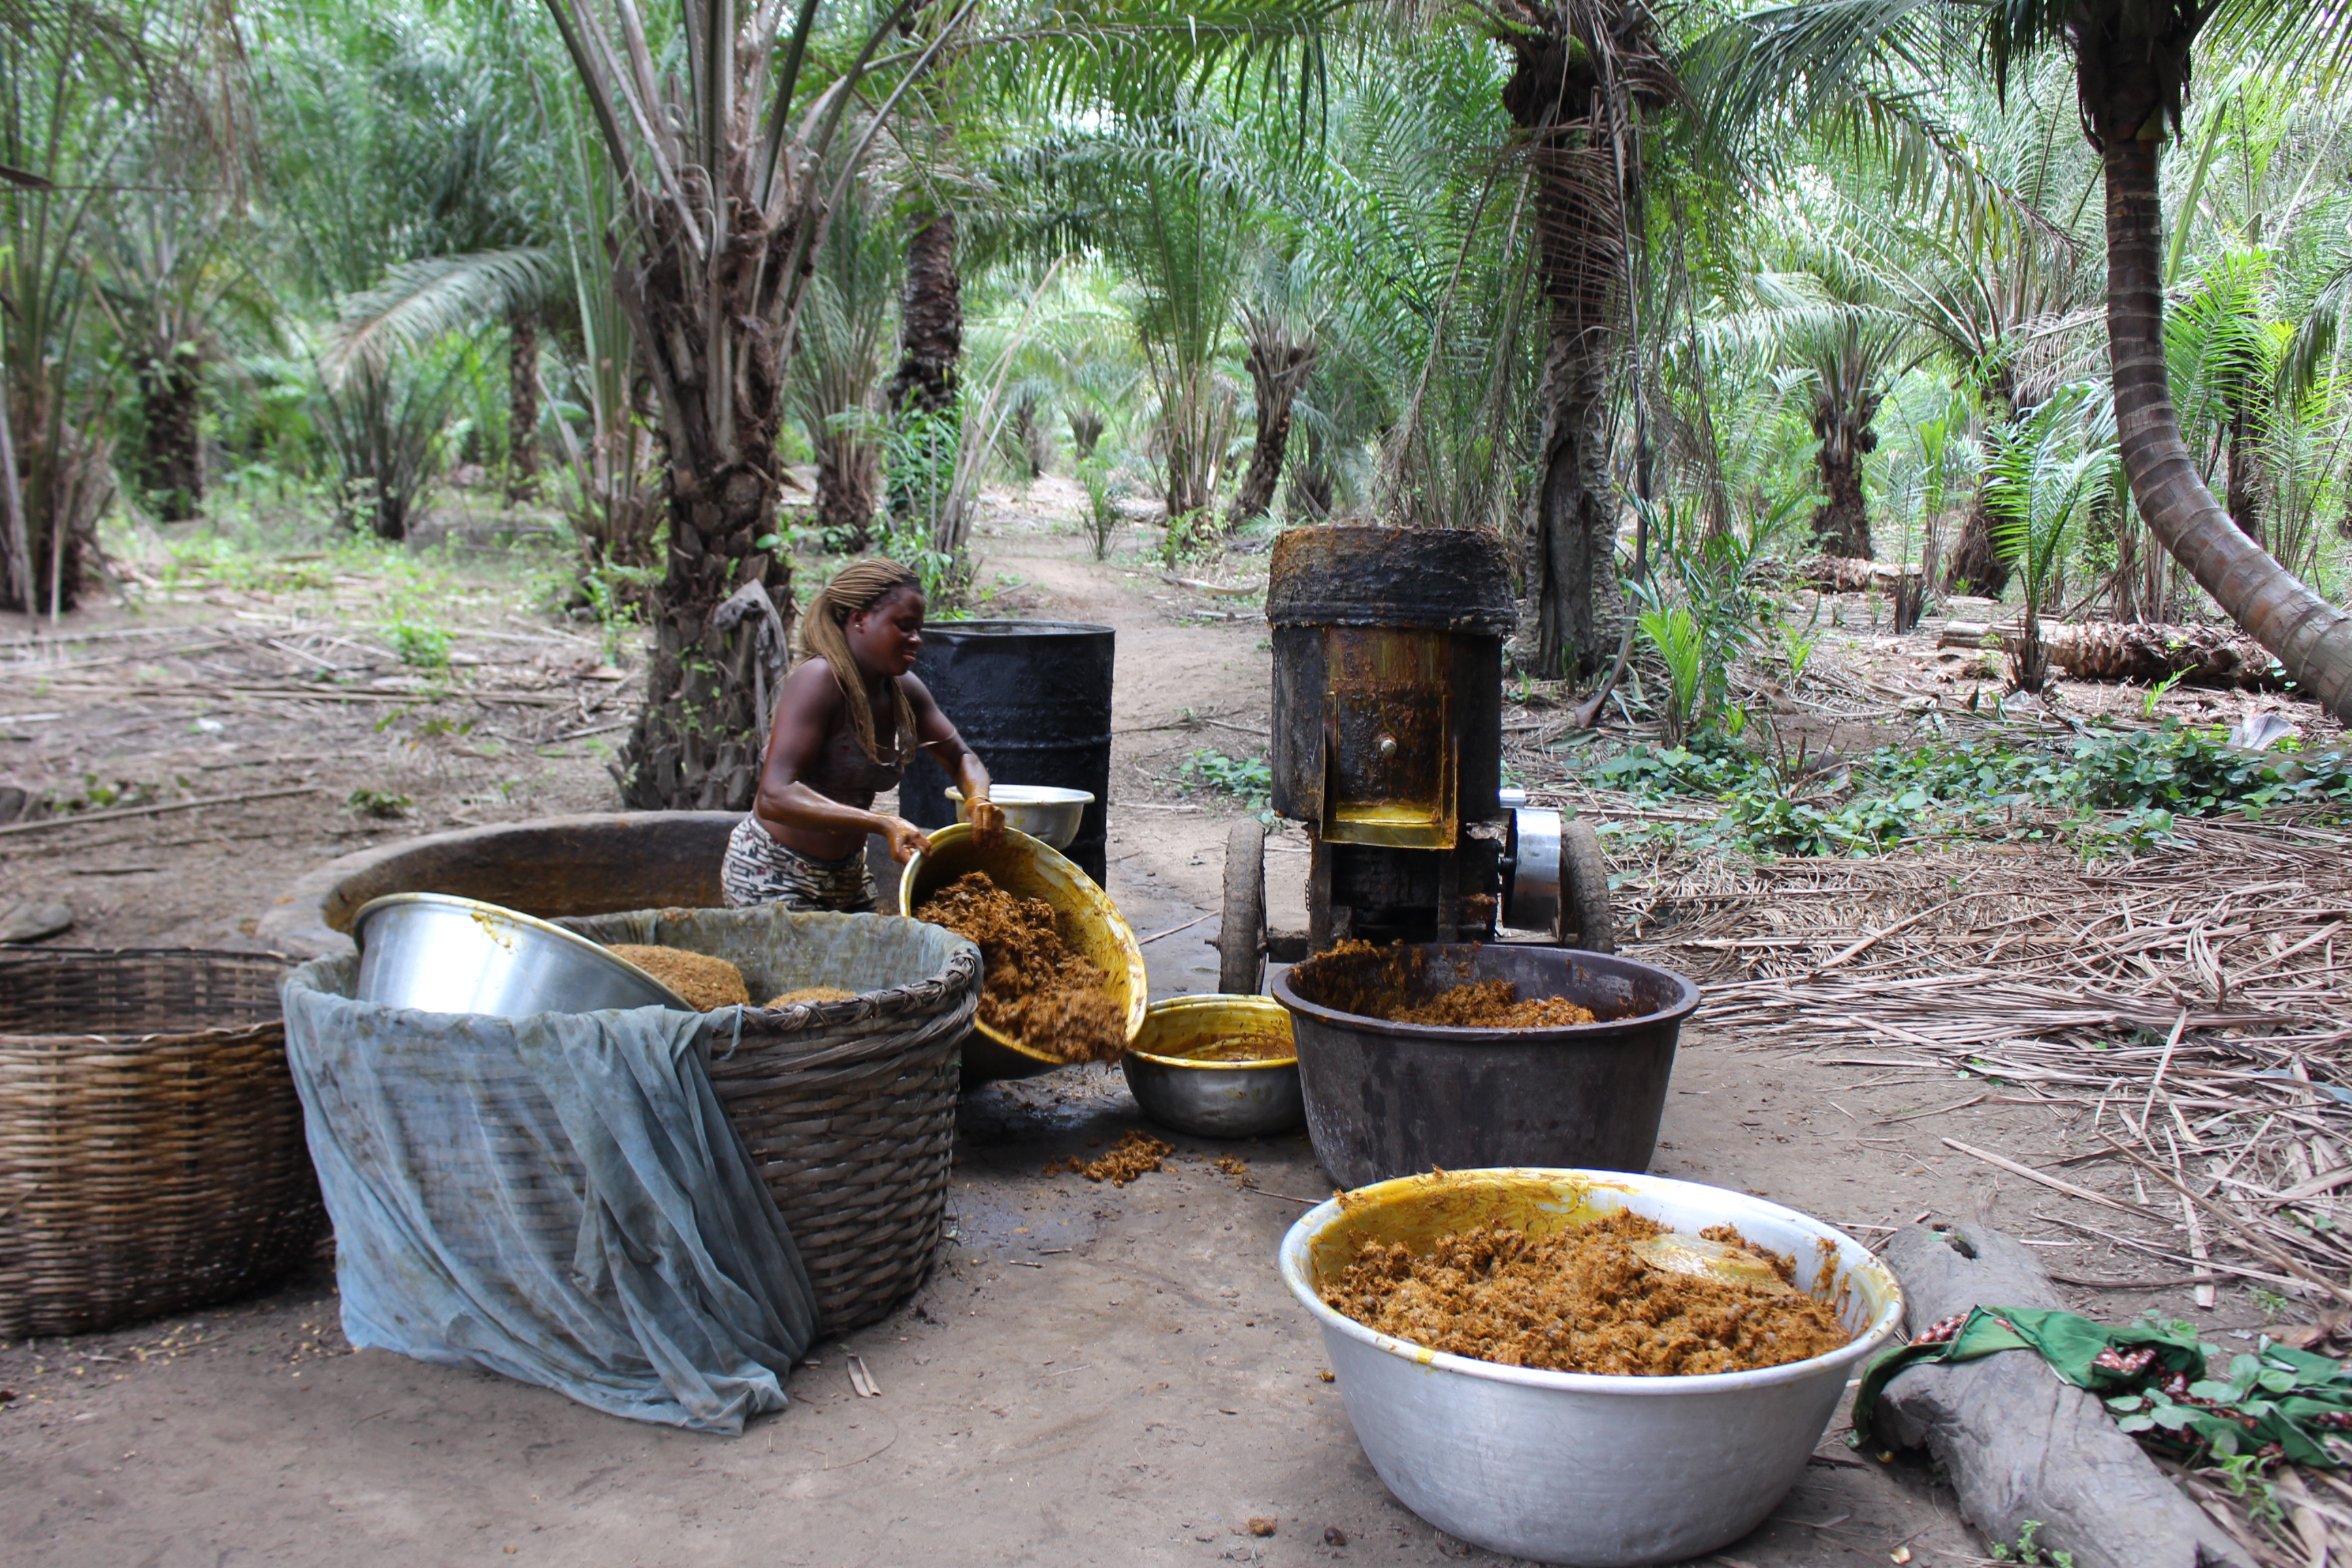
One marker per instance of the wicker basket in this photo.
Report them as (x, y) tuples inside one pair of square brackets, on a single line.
[(152, 1160), (848, 1107)]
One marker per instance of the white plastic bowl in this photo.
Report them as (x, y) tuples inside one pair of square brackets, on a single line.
[(1574, 1468)]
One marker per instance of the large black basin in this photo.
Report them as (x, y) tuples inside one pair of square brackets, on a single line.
[(1386, 1100)]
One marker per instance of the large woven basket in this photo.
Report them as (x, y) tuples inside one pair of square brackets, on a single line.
[(848, 1107), (152, 1155)]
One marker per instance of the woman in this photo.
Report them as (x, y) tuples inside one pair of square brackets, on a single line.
[(841, 736)]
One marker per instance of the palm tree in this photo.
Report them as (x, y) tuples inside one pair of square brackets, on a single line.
[(2132, 60), (1588, 71), (729, 162), (62, 126), (931, 331), (169, 283), (725, 198), (837, 375), (1279, 358)]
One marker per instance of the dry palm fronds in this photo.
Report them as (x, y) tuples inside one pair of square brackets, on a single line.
[(2191, 1006), (2189, 1014)]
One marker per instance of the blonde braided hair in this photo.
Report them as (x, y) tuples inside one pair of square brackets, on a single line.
[(860, 585)]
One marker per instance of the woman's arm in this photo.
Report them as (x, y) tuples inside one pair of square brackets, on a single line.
[(805, 711), (939, 736)]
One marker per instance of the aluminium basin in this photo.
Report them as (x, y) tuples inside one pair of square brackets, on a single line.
[(1575, 1468)]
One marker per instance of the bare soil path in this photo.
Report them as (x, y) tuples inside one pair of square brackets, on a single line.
[(1094, 1376)]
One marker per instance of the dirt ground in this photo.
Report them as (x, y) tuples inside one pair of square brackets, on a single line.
[(1093, 1375)]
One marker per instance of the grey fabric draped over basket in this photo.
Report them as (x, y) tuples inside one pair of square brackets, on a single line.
[(848, 1107), (152, 1156), (560, 1198)]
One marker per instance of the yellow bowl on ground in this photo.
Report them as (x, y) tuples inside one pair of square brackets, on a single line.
[(1084, 918)]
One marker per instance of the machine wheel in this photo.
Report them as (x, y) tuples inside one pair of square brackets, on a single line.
[(1241, 933), (1583, 890)]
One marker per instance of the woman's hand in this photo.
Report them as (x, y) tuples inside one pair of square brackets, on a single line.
[(906, 839), (987, 822)]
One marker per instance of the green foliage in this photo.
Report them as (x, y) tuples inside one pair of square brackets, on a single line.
[(1674, 632), (1186, 536), (2026, 1551), (422, 646), (1247, 779), (1701, 612), (1104, 493), (615, 595), (207, 560), (98, 795), (944, 574), (2273, 1402), (919, 455), (1933, 790), (377, 804), (2043, 471)]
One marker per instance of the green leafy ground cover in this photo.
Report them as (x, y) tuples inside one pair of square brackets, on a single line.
[(2103, 790)]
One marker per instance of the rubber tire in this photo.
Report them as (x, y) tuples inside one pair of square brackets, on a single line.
[(1586, 921), (1240, 929)]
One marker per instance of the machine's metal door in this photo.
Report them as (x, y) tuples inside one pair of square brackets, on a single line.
[(1392, 753)]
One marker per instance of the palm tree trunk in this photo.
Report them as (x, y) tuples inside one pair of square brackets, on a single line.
[(2246, 470), (848, 483), (1574, 525), (1977, 566), (1571, 517), (523, 405), (1842, 523), (1278, 368), (2311, 637), (933, 333), (171, 465), (15, 538), (715, 343)]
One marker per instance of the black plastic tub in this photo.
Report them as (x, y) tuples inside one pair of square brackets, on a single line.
[(1386, 1099), (1032, 699)]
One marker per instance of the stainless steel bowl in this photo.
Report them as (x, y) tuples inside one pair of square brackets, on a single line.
[(440, 953), (1038, 810), (1574, 1468), (1215, 1099)]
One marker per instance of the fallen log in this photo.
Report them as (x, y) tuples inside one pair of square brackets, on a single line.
[(1850, 574), (2146, 651), (2019, 1443)]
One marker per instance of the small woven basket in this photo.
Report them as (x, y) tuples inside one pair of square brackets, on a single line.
[(151, 1154), (848, 1107)]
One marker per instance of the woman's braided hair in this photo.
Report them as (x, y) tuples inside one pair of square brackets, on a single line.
[(859, 585)]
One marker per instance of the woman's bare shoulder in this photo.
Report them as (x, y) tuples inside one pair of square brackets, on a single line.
[(812, 684)]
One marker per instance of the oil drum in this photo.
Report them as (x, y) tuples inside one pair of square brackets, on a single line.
[(1033, 699)]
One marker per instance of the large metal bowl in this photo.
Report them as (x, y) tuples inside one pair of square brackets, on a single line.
[(440, 953), (1215, 1099), (1038, 810), (1574, 1468), (1084, 918)]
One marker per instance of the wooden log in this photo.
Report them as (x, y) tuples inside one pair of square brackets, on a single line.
[(1850, 574), (2145, 651), (2019, 1443)]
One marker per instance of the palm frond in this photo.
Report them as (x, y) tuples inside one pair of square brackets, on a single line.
[(421, 302)]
